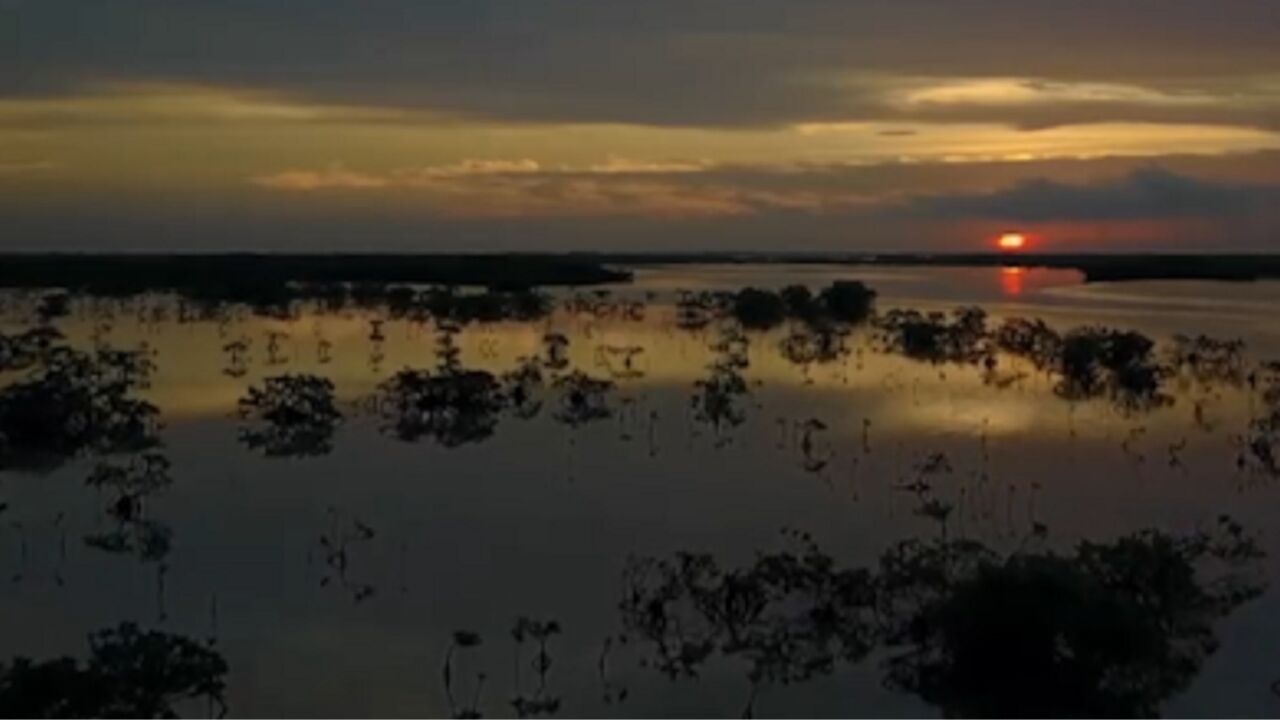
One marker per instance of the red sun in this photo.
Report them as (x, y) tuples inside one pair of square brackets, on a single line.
[(1012, 241)]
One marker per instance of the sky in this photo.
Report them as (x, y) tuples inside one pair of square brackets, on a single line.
[(616, 125)]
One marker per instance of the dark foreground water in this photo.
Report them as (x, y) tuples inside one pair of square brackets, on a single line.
[(676, 516)]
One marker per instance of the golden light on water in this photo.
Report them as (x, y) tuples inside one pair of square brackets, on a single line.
[(1011, 280)]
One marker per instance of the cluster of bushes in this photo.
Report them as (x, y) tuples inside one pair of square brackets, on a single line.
[(453, 408), (1091, 361), (715, 401), (1208, 360), (1088, 361), (132, 484), (1109, 629), (1262, 444), (406, 302), (447, 303), (67, 402), (936, 337), (847, 302), (290, 415), (25, 349), (129, 673), (844, 302)]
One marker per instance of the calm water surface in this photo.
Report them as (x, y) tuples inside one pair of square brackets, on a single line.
[(334, 584)]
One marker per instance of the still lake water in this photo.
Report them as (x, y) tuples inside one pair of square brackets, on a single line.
[(547, 518)]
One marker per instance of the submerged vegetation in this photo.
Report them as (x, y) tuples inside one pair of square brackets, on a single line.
[(1088, 362), (129, 673), (66, 402), (452, 408), (689, 610), (63, 402), (131, 485), (934, 337), (847, 302), (1261, 443), (292, 415), (1111, 629), (1008, 624)]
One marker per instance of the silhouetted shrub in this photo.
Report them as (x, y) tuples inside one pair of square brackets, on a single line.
[(844, 302), (452, 408), (799, 302), (129, 673), (791, 615), (759, 309), (933, 337), (1111, 630), (583, 399), (1209, 360), (1101, 361), (294, 415), (24, 350), (72, 402), (1030, 339), (848, 301)]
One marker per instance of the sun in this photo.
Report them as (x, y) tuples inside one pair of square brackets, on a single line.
[(1012, 241)]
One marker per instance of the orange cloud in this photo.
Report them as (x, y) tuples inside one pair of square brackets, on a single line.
[(525, 188), (24, 168), (333, 177)]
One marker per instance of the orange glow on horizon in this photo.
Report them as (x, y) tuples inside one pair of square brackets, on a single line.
[(1012, 241)]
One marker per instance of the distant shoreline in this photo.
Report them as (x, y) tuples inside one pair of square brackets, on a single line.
[(1094, 267), (230, 272)]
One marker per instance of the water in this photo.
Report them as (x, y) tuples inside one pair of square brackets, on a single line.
[(333, 584)]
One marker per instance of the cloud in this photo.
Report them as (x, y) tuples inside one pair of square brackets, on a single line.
[(613, 165), (333, 177), (842, 99), (27, 168), (336, 176), (1148, 193), (933, 207), (623, 188), (525, 188), (671, 62), (152, 104), (1033, 103)]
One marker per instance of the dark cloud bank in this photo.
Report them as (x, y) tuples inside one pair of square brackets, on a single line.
[(671, 62), (1149, 193)]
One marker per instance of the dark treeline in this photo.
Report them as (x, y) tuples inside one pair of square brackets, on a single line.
[(233, 277), (1095, 267), (237, 276)]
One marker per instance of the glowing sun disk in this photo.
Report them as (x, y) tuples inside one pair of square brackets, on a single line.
[(1012, 241)]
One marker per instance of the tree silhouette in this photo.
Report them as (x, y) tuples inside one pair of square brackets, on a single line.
[(453, 408), (70, 402), (129, 673), (1112, 629), (291, 416)]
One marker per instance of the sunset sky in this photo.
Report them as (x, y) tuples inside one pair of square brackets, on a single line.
[(626, 125)]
